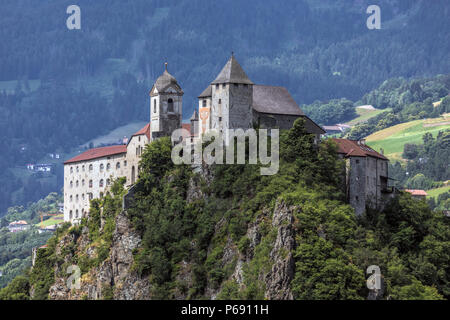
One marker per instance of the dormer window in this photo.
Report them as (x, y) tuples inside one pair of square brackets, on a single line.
[(154, 106), (204, 103), (170, 105), (217, 86)]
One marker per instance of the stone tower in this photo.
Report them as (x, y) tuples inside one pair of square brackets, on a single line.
[(232, 98), (166, 101)]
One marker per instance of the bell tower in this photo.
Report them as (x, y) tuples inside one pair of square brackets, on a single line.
[(232, 98), (166, 106)]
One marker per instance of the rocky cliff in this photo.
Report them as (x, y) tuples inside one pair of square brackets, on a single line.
[(116, 278)]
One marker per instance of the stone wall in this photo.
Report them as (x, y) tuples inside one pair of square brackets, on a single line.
[(134, 153)]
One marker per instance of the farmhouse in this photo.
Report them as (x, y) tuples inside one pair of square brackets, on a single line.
[(17, 226)]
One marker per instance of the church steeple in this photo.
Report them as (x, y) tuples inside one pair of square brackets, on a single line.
[(165, 105), (232, 72)]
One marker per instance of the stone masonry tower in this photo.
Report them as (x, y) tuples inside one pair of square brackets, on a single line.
[(232, 98), (166, 101)]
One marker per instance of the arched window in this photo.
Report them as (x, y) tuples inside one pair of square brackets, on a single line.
[(108, 167), (118, 165), (77, 184), (101, 183), (102, 166), (76, 214), (91, 167), (70, 215), (82, 183), (71, 198), (133, 175), (82, 168), (71, 169), (154, 106), (82, 196), (71, 184), (76, 198), (125, 163), (170, 105), (78, 169), (90, 183), (108, 182)]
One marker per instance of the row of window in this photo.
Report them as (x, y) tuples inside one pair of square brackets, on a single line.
[(100, 183), (224, 85), (102, 167), (76, 214), (204, 103), (77, 198)]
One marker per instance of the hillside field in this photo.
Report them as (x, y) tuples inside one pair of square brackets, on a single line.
[(366, 114), (437, 191), (393, 139)]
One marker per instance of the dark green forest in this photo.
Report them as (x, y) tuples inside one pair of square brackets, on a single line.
[(72, 85)]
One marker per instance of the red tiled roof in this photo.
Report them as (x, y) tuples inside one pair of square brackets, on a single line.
[(145, 130), (23, 222), (186, 126), (355, 149), (98, 153), (417, 192)]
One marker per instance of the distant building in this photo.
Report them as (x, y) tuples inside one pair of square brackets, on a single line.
[(40, 167), (17, 226), (51, 228), (366, 175), (336, 129), (417, 193)]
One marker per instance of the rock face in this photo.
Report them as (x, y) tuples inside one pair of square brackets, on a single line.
[(115, 272), (115, 278), (278, 280)]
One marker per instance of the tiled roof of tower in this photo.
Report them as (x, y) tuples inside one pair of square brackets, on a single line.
[(232, 72), (356, 149), (98, 153), (145, 130), (275, 100), (206, 93), (165, 81)]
